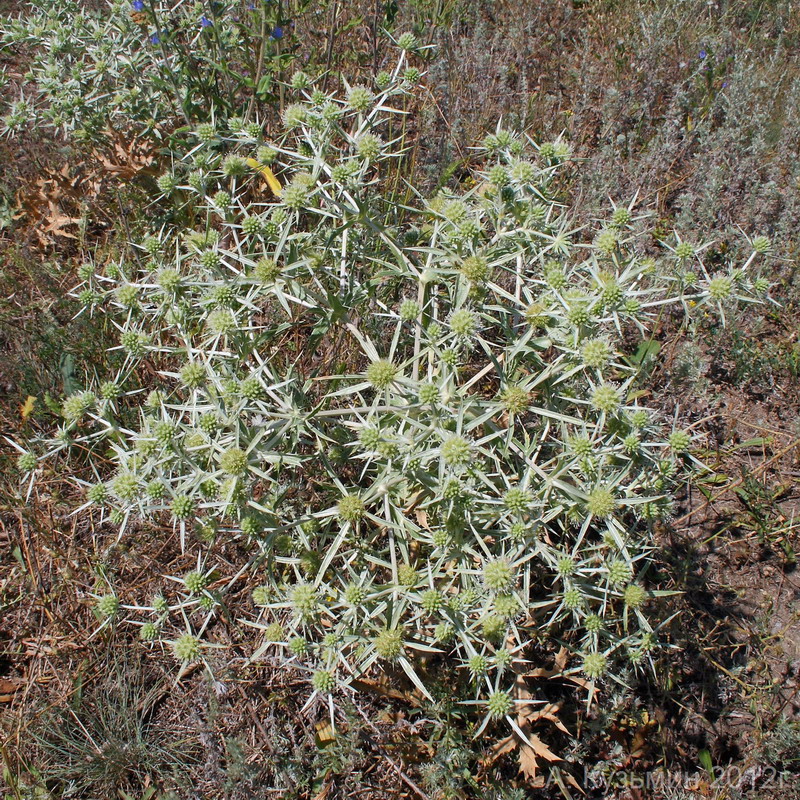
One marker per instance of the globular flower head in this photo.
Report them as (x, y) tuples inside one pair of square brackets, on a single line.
[(192, 375), (182, 507), (463, 322), (517, 500), (407, 41), (493, 627), (635, 595), (498, 575), (478, 665), (108, 606), (148, 632), (684, 251), (26, 462), (354, 595), (266, 155), (498, 176), (221, 200), (206, 132), (233, 461), (298, 645), (359, 98), (506, 606), (456, 451), (350, 508), (305, 599), (761, 244), (323, 681), (443, 632), (631, 443), (381, 373), (167, 183), (233, 165), (606, 241), (76, 405), (499, 704), (221, 321), (389, 643), (186, 648), (262, 596), (429, 394), (295, 115), (572, 599), (407, 575), (266, 270), (432, 601), (601, 502), (566, 566), (679, 441), (621, 217), (110, 390), (606, 398), (409, 310), (97, 493), (164, 432), (619, 572), (594, 665), (475, 269), (596, 353), (296, 195), (160, 605), (134, 343), (252, 225), (523, 172), (515, 399), (593, 623), (126, 486), (195, 581), (127, 295), (368, 146), (720, 288), (300, 81)]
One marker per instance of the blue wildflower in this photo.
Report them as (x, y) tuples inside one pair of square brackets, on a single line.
[(155, 38), (703, 54), (205, 22), (277, 33), (138, 5)]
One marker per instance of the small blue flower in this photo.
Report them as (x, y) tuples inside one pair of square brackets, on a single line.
[(155, 38), (205, 22), (138, 5), (277, 33), (251, 6), (703, 54)]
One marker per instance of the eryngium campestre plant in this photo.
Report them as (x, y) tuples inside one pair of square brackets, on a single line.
[(484, 469), (136, 67)]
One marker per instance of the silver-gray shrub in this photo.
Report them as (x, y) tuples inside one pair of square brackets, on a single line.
[(416, 416)]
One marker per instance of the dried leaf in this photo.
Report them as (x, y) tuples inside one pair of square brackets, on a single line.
[(324, 733), (26, 409), (268, 174), (8, 689), (381, 686), (529, 754)]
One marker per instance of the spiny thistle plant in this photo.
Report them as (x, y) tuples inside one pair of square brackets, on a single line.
[(141, 66), (482, 470)]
